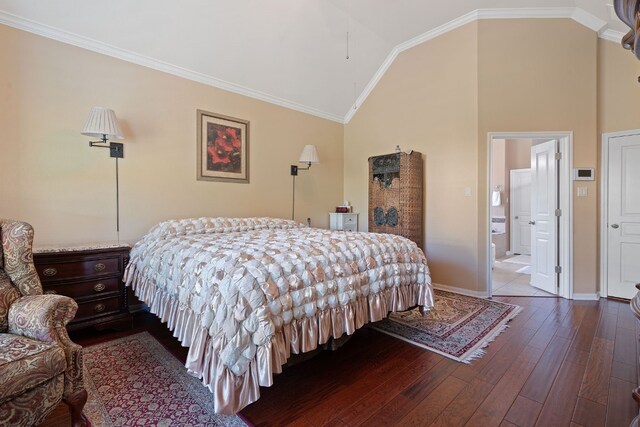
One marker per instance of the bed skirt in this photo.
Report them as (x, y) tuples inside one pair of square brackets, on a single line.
[(233, 392)]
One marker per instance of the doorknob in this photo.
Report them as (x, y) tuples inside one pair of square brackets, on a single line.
[(615, 226), (532, 223), (517, 217)]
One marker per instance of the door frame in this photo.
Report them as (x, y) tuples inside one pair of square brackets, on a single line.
[(565, 187), (604, 201)]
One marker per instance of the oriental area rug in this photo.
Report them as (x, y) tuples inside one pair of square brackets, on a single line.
[(458, 327), (135, 381)]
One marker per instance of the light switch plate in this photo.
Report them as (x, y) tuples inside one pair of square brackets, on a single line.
[(467, 191), (582, 191)]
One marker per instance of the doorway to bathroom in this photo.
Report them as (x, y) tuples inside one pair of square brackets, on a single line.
[(529, 215)]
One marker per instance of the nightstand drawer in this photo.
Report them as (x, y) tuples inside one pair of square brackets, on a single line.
[(92, 275), (343, 221), (97, 308), (85, 289), (349, 219), (78, 269)]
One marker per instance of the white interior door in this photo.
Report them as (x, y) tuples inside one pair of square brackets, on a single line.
[(520, 210), (544, 224), (623, 228)]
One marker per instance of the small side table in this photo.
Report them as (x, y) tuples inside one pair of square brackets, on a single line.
[(91, 275), (343, 221)]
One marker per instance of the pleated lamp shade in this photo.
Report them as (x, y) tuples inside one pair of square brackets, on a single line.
[(309, 155), (102, 121)]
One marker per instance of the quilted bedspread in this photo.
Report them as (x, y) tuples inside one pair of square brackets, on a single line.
[(245, 293)]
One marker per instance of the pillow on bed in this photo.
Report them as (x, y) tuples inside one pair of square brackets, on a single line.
[(207, 225)]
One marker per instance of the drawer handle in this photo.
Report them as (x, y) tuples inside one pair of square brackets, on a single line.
[(99, 308), (50, 292), (50, 271), (99, 266), (99, 287)]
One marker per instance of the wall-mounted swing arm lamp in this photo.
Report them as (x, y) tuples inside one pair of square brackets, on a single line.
[(309, 156), (102, 123)]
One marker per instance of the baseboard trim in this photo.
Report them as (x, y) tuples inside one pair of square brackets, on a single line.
[(586, 297), (462, 291)]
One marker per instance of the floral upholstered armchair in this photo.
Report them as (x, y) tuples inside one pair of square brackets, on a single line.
[(39, 364)]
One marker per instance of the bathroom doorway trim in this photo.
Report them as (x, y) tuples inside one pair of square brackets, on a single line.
[(565, 184)]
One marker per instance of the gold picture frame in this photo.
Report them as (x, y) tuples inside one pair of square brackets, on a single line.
[(222, 148)]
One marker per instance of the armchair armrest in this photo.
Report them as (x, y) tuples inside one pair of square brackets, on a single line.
[(41, 317), (44, 318)]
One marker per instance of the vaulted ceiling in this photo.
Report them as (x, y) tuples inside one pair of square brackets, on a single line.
[(289, 52)]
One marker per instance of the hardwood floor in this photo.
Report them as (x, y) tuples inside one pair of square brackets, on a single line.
[(561, 363)]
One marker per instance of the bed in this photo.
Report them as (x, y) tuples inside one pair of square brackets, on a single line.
[(245, 293)]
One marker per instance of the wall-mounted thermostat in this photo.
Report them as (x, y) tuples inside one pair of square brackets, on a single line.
[(584, 174)]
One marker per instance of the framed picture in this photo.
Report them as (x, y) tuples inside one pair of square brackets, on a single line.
[(223, 148)]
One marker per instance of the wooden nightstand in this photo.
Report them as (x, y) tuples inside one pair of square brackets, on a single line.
[(92, 276), (343, 221)]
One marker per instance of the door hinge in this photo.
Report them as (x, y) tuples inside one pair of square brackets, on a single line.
[(558, 269), (558, 156), (558, 212)]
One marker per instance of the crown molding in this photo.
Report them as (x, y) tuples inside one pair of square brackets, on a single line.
[(43, 30), (429, 35), (612, 35), (577, 14), (526, 13), (588, 20)]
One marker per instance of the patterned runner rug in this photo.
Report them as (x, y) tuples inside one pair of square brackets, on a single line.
[(135, 381), (458, 327)]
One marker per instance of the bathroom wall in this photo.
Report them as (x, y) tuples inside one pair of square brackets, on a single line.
[(498, 172), (517, 156), (518, 153), (499, 182), (506, 155)]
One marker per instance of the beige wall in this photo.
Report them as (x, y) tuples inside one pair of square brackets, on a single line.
[(531, 75), (541, 75), (440, 98), (427, 101), (50, 177), (618, 88)]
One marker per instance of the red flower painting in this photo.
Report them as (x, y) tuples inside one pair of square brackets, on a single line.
[(224, 145), (223, 148)]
